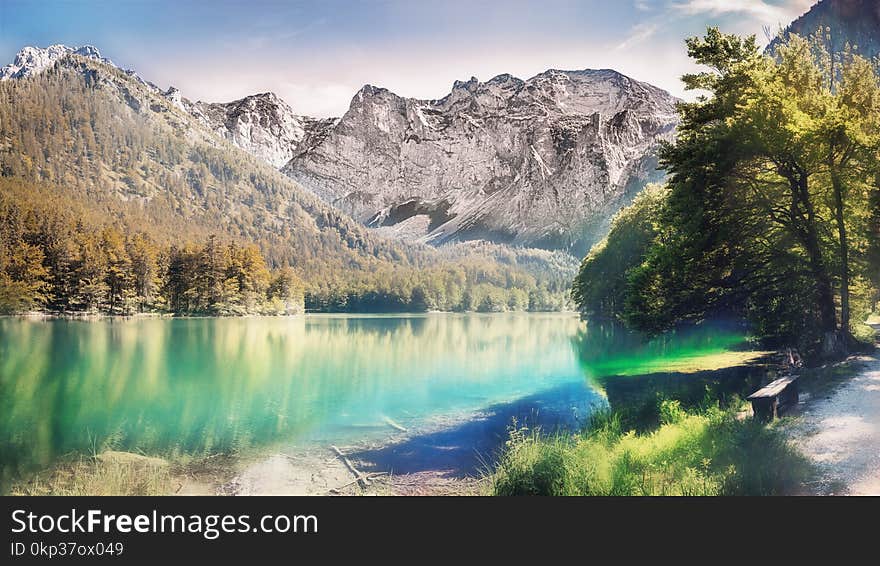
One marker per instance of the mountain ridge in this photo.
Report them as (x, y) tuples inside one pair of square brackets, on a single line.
[(520, 147), (502, 159)]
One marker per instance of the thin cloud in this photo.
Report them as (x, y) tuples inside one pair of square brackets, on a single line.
[(638, 34)]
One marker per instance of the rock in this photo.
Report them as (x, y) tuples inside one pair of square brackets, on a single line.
[(261, 124), (33, 60), (175, 98)]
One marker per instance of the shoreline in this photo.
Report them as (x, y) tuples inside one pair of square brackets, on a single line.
[(280, 469), (95, 316), (447, 454)]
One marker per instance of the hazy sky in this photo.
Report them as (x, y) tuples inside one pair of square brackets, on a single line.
[(317, 54)]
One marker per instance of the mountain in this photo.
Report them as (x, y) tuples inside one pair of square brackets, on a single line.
[(261, 124), (100, 132), (80, 130), (543, 162), (853, 22)]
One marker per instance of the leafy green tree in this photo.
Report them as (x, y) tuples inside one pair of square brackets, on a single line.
[(600, 286), (767, 214)]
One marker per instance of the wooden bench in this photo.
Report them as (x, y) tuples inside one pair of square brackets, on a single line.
[(775, 398)]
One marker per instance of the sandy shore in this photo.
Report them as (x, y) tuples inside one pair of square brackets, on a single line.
[(322, 472), (391, 467)]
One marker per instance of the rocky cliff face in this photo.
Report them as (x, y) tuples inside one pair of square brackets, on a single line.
[(542, 162), (853, 22), (261, 124)]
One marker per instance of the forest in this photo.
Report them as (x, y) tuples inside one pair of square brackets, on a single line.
[(53, 258), (771, 212), (58, 256), (115, 202)]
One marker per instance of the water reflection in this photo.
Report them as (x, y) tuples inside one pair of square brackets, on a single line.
[(205, 385)]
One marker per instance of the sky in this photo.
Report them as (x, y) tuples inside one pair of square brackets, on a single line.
[(317, 54)]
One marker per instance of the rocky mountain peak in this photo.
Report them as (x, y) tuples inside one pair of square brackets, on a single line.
[(367, 92), (262, 124), (469, 84), (175, 98), (33, 60)]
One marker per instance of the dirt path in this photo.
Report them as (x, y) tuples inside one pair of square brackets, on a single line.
[(840, 433)]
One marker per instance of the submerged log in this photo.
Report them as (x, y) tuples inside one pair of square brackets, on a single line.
[(374, 475), (393, 424)]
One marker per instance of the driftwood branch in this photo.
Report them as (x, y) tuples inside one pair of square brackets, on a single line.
[(359, 477), (352, 482)]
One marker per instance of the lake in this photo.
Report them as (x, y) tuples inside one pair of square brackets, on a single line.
[(203, 386)]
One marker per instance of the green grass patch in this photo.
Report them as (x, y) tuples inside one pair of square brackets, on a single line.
[(707, 452)]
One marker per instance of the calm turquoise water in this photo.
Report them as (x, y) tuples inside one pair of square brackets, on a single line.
[(200, 386)]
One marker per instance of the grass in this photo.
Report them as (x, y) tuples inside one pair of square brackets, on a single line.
[(101, 476), (124, 473), (706, 452), (866, 333)]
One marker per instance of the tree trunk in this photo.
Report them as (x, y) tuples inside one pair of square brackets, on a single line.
[(804, 213), (874, 240), (838, 189)]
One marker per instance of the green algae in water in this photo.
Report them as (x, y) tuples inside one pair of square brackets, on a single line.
[(607, 349)]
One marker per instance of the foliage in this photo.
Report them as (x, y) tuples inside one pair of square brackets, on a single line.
[(56, 259), (709, 452), (600, 286)]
